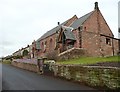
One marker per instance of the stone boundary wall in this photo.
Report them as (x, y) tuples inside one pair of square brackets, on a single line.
[(25, 60), (72, 53), (96, 76), (26, 66)]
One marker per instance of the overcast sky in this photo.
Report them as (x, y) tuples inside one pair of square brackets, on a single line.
[(22, 21), (119, 18)]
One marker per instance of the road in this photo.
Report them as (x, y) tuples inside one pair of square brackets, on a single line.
[(0, 76), (14, 78)]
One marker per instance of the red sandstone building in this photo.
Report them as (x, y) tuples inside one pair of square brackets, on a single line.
[(90, 32)]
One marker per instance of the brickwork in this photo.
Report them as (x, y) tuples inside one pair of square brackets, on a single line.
[(91, 24), (76, 44), (51, 40), (90, 41), (106, 49), (50, 45), (104, 28), (116, 44), (69, 22), (72, 53)]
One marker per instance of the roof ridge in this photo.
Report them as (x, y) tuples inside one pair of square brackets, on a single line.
[(86, 14), (53, 30), (81, 20)]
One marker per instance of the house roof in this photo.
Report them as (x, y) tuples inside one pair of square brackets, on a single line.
[(68, 33), (52, 31), (81, 20), (74, 25)]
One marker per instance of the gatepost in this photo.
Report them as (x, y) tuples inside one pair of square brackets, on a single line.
[(40, 63)]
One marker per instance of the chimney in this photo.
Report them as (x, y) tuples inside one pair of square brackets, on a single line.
[(96, 5), (58, 23)]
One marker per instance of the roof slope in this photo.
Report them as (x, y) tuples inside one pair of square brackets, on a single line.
[(54, 30), (81, 20), (69, 34), (74, 25), (48, 33)]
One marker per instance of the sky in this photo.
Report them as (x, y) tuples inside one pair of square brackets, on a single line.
[(23, 21), (119, 17)]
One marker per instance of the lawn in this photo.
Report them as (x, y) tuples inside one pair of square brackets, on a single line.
[(90, 60)]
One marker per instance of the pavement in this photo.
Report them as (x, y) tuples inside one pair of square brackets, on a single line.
[(14, 78)]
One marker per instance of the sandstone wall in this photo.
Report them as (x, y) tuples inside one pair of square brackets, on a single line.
[(72, 53), (26, 66), (96, 76)]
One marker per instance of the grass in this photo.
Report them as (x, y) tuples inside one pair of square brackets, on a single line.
[(90, 60), (6, 62)]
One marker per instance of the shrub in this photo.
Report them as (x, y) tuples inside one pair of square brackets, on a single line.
[(25, 52)]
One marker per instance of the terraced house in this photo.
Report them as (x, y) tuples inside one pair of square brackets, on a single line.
[(90, 32)]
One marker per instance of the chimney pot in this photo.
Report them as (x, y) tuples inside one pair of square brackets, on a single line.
[(58, 23), (96, 5)]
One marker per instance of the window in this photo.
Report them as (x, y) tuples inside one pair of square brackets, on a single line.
[(108, 41), (42, 46), (45, 45), (85, 28), (51, 44)]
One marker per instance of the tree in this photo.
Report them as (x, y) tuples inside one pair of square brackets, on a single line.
[(25, 53)]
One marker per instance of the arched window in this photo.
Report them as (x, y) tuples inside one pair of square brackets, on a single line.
[(51, 44), (25, 53), (42, 46), (45, 45)]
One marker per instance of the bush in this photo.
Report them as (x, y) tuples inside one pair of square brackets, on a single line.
[(25, 52), (6, 61)]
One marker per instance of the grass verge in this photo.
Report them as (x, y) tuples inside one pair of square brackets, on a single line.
[(90, 60), (6, 62)]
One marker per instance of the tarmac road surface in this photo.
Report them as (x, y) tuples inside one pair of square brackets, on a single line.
[(14, 78), (0, 76)]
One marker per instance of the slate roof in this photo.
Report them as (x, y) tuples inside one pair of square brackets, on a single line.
[(81, 20), (74, 25), (68, 32), (52, 31)]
